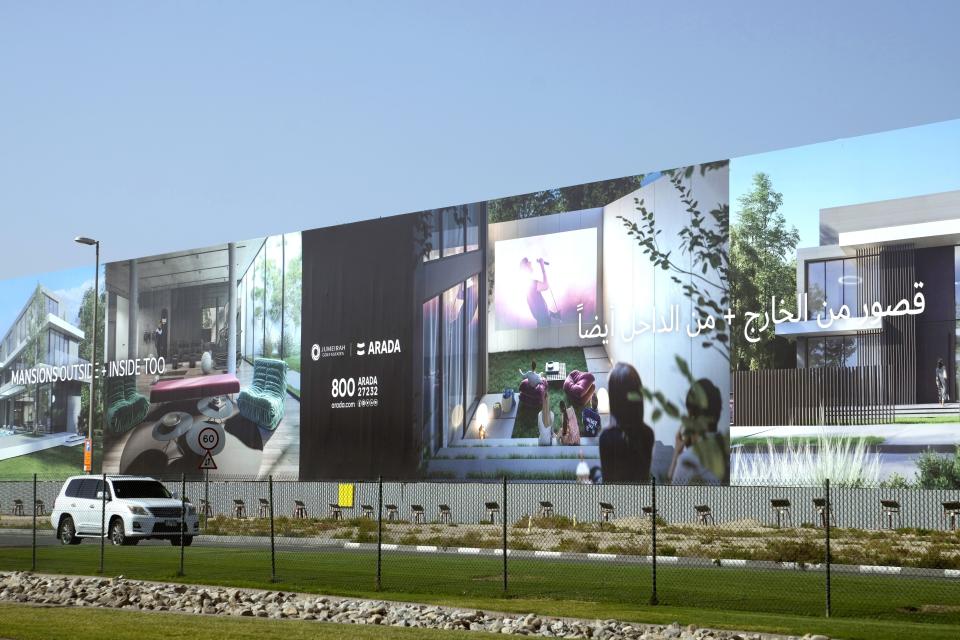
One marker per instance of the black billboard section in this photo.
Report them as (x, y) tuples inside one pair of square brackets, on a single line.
[(357, 333)]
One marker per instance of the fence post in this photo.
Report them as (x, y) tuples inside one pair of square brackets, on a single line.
[(653, 538), (503, 520), (379, 529), (273, 550), (33, 562), (829, 512), (103, 516), (183, 517), (206, 497)]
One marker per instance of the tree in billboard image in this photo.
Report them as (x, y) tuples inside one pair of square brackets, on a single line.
[(86, 353), (762, 246)]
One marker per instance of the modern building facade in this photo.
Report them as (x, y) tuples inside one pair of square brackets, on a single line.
[(40, 337), (879, 252)]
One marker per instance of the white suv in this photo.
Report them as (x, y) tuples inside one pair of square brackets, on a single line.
[(137, 508)]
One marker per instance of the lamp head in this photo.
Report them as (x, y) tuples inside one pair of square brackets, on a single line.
[(85, 240)]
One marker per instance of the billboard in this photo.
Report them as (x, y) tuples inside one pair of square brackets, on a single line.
[(484, 340), (774, 319)]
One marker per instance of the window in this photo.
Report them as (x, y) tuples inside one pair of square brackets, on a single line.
[(431, 236), (258, 302), (832, 284), (273, 296), (832, 351), (453, 352), (89, 488), (73, 489), (473, 227), (432, 431), (473, 341), (816, 293), (454, 230), (292, 302), (140, 489)]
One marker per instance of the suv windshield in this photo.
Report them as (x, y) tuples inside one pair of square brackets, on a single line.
[(139, 489)]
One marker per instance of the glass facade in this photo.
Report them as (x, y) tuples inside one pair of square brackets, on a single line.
[(452, 231), (431, 373), (832, 351), (270, 299), (454, 402), (832, 284)]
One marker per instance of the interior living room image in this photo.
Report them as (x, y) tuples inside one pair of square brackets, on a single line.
[(43, 423), (226, 321), (522, 321)]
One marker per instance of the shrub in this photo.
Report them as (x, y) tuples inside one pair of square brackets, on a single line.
[(935, 471), (585, 544)]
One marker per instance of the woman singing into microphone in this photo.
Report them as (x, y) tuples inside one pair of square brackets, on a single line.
[(535, 293)]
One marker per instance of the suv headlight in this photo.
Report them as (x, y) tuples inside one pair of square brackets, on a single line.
[(191, 510), (137, 511)]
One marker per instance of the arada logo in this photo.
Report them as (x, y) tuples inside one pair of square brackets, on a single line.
[(378, 347)]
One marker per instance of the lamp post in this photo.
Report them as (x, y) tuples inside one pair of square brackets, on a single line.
[(93, 364)]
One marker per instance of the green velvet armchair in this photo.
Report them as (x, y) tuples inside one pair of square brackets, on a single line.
[(263, 402), (125, 407)]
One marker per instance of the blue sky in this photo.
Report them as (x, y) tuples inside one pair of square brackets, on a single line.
[(895, 164), (159, 126), (69, 285)]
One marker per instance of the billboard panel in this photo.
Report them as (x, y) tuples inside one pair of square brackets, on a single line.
[(544, 336)]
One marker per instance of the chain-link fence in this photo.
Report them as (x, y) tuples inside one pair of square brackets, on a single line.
[(807, 550)]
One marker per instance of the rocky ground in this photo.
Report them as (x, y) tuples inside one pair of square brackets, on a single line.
[(120, 593)]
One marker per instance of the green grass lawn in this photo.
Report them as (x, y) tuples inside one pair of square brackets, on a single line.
[(783, 601), (27, 622), (927, 420), (504, 372), (56, 462)]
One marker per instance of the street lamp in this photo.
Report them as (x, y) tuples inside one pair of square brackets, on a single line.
[(93, 369)]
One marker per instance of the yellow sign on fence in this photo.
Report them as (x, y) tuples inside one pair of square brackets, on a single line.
[(345, 496)]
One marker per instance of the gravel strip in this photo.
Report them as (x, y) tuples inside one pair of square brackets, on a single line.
[(120, 593)]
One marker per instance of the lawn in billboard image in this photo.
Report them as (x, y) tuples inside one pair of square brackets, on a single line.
[(857, 241), (46, 323), (546, 280)]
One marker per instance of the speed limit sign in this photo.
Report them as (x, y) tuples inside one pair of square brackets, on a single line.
[(208, 438), (204, 438)]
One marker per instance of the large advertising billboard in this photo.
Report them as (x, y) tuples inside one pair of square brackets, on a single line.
[(780, 318)]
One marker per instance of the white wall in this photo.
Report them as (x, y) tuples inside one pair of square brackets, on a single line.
[(632, 286), (563, 336)]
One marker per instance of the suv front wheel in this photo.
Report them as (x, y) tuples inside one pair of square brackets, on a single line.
[(118, 536), (67, 531)]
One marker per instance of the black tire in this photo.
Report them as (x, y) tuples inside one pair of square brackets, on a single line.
[(175, 542), (67, 531), (118, 537), (187, 541)]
